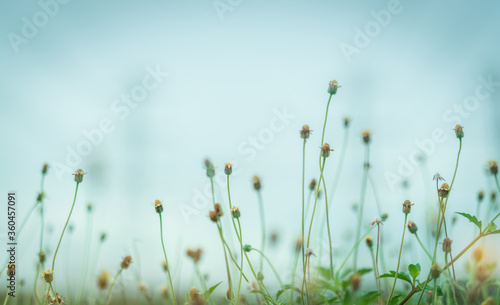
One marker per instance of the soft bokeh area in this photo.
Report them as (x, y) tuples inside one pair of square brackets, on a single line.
[(139, 93)]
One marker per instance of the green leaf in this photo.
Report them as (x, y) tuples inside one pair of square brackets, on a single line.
[(395, 299), (369, 297), (285, 288), (472, 219), (401, 275), (364, 271), (414, 270), (494, 232), (325, 273), (207, 293)]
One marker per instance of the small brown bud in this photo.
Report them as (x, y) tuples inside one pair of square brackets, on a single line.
[(228, 169), (444, 191), (429, 298), (126, 262), (48, 276), (459, 131), (407, 207), (299, 244), (103, 237), (40, 197), (256, 182), (484, 271), (369, 241), (44, 168), (158, 206), (164, 292), (412, 227), (480, 195), (218, 210), (79, 175), (493, 196), (164, 265), (312, 185), (447, 245), (346, 122), (333, 86), (305, 132), (194, 254), (228, 294), (355, 281), (366, 136), (477, 255), (325, 150), (41, 257), (492, 164), (102, 280), (213, 216)]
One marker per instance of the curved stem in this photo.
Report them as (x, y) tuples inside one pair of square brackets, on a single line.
[(423, 247), (328, 223), (112, 285), (399, 260), (166, 261), (263, 225), (362, 200), (227, 264), (42, 229), (352, 250), (271, 265), (54, 293), (303, 216)]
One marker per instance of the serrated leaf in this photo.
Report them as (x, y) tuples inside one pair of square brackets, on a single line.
[(472, 219), (207, 293), (414, 270), (401, 275), (395, 299)]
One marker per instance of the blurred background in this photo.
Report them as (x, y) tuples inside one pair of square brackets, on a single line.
[(139, 94)]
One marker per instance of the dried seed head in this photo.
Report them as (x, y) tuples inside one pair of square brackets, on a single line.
[(57, 299), (218, 210), (305, 132), (444, 191), (492, 164), (48, 276), (312, 185), (412, 227), (44, 168), (480, 195), (194, 254), (478, 254), (376, 221), (459, 131), (41, 257), (126, 262), (228, 169), (210, 168), (299, 244), (437, 177), (435, 271), (235, 212), (333, 86), (256, 182), (369, 241), (309, 252), (325, 150), (158, 206), (142, 287), (164, 265), (196, 298), (164, 292), (355, 281), (407, 207), (447, 245), (40, 197), (213, 216), (366, 136), (346, 121), (102, 280), (79, 175)]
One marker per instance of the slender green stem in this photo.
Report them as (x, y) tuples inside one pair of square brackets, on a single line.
[(449, 276), (352, 250), (303, 216), (54, 293), (362, 201), (399, 260), (423, 247), (46, 296), (94, 268), (166, 261), (112, 285), (42, 229), (233, 259), (62, 234), (375, 271), (227, 264), (328, 224), (324, 124), (6, 296), (86, 256), (294, 269), (271, 265), (496, 181), (263, 226), (241, 263)]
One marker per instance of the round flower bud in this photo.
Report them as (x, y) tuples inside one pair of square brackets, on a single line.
[(429, 298), (44, 168), (218, 209), (477, 255), (346, 122), (493, 196), (459, 131), (407, 207), (384, 216), (126, 262), (412, 227), (312, 185), (103, 237), (48, 276), (366, 136), (435, 272), (210, 168), (41, 256), (444, 190), (299, 244), (260, 276), (355, 281), (492, 164), (447, 245), (40, 197), (79, 175), (325, 150), (228, 169), (235, 212), (102, 280), (369, 241), (194, 254), (256, 183), (305, 132), (158, 206), (480, 196), (247, 248), (333, 86), (213, 216), (164, 265)]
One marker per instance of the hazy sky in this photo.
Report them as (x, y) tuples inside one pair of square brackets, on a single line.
[(138, 94)]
